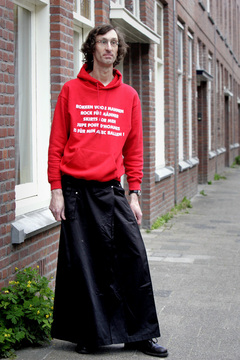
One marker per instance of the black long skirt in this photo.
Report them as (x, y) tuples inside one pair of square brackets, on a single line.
[(103, 289)]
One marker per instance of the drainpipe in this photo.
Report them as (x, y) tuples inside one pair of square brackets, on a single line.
[(175, 103), (215, 100)]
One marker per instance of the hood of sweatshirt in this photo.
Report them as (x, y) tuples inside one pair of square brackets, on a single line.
[(91, 82)]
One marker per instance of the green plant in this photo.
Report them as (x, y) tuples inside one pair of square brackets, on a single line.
[(209, 182), (185, 203), (218, 177), (237, 160), (202, 192), (26, 307)]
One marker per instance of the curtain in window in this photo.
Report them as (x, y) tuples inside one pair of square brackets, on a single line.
[(85, 8)]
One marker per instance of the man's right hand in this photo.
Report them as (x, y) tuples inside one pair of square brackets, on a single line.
[(57, 205)]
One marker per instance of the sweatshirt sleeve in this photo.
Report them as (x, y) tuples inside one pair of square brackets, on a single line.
[(133, 148), (58, 139)]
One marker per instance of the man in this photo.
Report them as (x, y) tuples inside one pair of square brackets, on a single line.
[(103, 288)]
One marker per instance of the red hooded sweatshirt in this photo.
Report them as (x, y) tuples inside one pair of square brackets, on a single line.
[(96, 132)]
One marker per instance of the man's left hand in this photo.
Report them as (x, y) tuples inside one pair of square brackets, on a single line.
[(134, 204)]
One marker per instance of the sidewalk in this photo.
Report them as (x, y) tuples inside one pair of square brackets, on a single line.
[(195, 268)]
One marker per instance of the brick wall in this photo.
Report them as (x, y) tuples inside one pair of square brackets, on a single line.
[(102, 8), (7, 154)]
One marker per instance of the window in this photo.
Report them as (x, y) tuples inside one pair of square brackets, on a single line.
[(159, 93), (24, 99), (198, 55), (32, 105), (84, 12), (136, 10), (180, 91), (190, 98), (77, 54), (120, 2), (217, 76), (208, 6), (83, 21), (209, 104), (83, 8), (220, 80)]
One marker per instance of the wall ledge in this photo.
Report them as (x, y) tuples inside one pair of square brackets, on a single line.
[(183, 165), (163, 173), (30, 224)]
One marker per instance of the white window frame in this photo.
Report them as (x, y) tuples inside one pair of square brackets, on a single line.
[(208, 6), (199, 55), (217, 77), (180, 91), (136, 8), (35, 195), (77, 54), (190, 95), (209, 104), (220, 79), (120, 2), (80, 35), (230, 82), (159, 98)]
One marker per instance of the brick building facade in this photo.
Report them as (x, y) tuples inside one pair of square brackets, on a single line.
[(184, 61)]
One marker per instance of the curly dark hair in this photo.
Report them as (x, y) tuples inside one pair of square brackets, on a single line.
[(88, 47)]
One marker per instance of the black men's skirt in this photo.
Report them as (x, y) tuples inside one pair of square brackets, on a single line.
[(103, 287)]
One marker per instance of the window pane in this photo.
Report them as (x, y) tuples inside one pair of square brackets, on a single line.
[(75, 5), (77, 56), (136, 8), (159, 31), (159, 20), (180, 49), (85, 8), (23, 95), (190, 57)]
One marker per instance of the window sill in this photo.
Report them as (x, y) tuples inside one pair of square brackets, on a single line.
[(234, 146), (227, 92), (221, 150), (163, 173), (212, 154), (193, 162), (32, 224), (183, 165)]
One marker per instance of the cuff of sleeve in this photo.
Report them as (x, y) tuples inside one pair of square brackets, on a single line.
[(56, 184), (134, 186)]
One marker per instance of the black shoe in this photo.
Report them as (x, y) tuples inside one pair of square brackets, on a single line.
[(81, 349), (148, 347)]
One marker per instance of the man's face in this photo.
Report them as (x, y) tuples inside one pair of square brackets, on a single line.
[(106, 49)]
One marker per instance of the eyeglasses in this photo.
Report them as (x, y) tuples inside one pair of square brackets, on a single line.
[(104, 42)]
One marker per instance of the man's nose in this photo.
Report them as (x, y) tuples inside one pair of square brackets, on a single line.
[(109, 45)]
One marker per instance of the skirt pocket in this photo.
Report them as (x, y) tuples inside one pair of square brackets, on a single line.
[(70, 199)]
